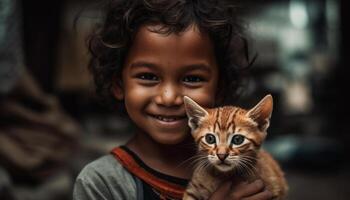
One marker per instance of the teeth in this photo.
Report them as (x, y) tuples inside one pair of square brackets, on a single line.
[(166, 119)]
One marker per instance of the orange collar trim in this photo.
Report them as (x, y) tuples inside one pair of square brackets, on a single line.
[(165, 188)]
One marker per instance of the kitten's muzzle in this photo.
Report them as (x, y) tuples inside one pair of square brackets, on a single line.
[(222, 157)]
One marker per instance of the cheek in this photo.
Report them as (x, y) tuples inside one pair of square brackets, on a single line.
[(204, 97), (212, 155), (136, 96), (210, 151), (138, 93)]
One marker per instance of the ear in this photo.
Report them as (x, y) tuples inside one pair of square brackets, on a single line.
[(195, 112), (261, 113), (117, 88)]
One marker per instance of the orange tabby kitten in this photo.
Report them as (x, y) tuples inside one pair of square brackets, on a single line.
[(229, 140)]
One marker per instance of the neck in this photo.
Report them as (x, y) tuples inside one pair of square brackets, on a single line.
[(164, 157), (147, 148)]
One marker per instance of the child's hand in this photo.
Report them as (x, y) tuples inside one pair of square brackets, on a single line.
[(242, 191)]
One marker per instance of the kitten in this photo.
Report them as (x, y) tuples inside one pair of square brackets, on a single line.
[(229, 140)]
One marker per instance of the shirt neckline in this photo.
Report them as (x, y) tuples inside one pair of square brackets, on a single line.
[(167, 177)]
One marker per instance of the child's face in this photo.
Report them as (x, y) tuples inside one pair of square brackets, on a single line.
[(158, 71)]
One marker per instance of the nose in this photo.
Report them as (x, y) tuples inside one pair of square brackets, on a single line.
[(222, 157), (169, 95)]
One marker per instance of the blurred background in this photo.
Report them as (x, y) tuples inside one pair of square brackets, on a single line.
[(52, 124)]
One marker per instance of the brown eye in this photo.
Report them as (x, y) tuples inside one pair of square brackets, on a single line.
[(210, 139), (193, 79), (237, 139), (147, 77)]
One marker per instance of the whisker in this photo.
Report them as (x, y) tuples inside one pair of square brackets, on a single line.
[(251, 169), (244, 169), (192, 159)]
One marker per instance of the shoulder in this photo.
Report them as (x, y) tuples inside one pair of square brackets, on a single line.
[(103, 167), (104, 178)]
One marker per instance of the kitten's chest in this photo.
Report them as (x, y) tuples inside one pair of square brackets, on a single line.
[(210, 180)]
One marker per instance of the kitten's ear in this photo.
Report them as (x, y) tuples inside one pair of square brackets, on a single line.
[(195, 112), (261, 113)]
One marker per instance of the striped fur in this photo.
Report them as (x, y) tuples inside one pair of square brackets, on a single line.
[(228, 156)]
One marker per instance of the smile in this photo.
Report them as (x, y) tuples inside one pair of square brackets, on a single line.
[(170, 121), (167, 118)]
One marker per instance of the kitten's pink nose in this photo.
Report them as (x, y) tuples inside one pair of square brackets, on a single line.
[(222, 157)]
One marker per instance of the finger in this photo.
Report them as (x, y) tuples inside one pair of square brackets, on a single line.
[(249, 189), (221, 192), (264, 195)]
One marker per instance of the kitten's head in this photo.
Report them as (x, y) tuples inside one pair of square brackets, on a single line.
[(229, 136)]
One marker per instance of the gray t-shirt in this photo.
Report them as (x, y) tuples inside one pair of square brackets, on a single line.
[(105, 178)]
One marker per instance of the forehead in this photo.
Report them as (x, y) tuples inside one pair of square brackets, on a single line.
[(228, 117), (183, 48)]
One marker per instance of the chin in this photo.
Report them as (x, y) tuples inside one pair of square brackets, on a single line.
[(223, 167), (170, 139)]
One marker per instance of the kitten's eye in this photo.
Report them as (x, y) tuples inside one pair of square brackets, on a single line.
[(210, 139), (237, 139)]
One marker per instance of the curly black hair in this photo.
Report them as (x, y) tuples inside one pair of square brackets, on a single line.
[(110, 42)]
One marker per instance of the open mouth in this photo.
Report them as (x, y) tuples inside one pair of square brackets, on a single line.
[(168, 118)]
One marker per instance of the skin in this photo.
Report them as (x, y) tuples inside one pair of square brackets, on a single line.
[(158, 71)]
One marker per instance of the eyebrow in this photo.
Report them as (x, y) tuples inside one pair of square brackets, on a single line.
[(143, 64), (199, 66)]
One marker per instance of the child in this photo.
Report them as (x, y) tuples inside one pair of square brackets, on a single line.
[(148, 55)]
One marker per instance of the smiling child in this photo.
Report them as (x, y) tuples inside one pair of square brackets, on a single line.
[(147, 56)]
